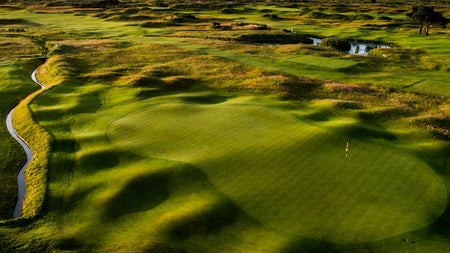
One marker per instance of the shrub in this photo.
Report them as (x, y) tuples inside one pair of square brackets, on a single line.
[(272, 16), (338, 44), (250, 26), (363, 17), (275, 38), (385, 18), (321, 15), (179, 83), (228, 11), (149, 24)]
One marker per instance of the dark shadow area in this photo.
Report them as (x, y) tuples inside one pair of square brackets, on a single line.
[(99, 160), (163, 248), (317, 116), (206, 221), (151, 93), (16, 21), (308, 245), (282, 38), (363, 131), (71, 199), (373, 116), (69, 244), (169, 86), (300, 88), (441, 165), (140, 194), (68, 145), (163, 71)]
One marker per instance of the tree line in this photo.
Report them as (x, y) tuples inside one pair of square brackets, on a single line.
[(427, 17)]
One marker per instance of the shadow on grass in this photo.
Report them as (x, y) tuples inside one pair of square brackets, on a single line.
[(17, 21), (309, 245), (140, 194), (99, 160), (87, 102), (68, 145), (149, 191), (163, 248), (441, 164), (299, 88), (364, 131), (69, 244), (213, 218), (154, 87)]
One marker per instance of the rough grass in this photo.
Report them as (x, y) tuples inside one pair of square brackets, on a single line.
[(36, 173), (323, 62), (404, 37), (166, 143), (15, 84)]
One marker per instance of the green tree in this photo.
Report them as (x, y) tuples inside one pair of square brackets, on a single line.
[(427, 17)]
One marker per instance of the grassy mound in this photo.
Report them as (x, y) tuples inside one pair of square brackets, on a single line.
[(262, 149), (14, 85)]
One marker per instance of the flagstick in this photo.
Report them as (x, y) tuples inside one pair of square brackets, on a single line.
[(346, 151)]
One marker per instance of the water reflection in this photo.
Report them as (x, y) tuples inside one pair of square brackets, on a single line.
[(356, 48)]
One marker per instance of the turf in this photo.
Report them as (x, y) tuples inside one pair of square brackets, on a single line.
[(255, 155), (323, 62), (197, 169), (171, 140)]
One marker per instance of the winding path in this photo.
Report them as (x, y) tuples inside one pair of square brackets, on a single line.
[(29, 153)]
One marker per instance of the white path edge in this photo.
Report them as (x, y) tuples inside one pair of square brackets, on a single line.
[(21, 175)]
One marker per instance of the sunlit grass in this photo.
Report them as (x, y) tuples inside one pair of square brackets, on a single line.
[(322, 62), (165, 137), (257, 153)]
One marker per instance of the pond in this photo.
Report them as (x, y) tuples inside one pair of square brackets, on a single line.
[(358, 48)]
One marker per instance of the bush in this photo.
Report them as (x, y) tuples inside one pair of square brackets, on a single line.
[(272, 16), (180, 18), (250, 26), (321, 15), (228, 11), (338, 44), (276, 38), (362, 17)]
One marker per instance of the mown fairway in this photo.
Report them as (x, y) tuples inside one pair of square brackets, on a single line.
[(176, 138)]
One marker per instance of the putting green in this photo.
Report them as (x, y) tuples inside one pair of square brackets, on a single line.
[(288, 174)]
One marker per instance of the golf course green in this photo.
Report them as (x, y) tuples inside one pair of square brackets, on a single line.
[(160, 130), (287, 174)]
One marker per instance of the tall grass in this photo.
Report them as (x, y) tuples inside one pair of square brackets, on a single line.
[(15, 84), (36, 173)]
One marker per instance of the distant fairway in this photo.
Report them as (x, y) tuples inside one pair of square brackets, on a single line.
[(322, 62), (289, 174), (437, 87)]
